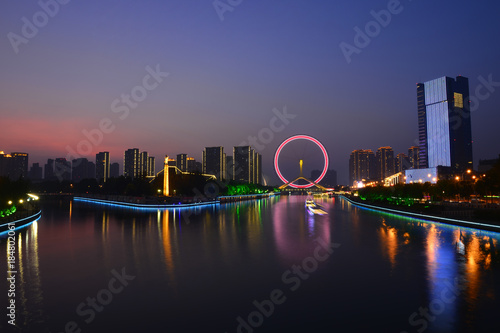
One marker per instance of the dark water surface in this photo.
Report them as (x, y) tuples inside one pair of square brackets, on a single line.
[(257, 266)]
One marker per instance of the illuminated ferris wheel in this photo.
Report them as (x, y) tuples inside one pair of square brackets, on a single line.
[(310, 183)]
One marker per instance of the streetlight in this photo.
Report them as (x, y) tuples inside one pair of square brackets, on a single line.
[(457, 178), (21, 201)]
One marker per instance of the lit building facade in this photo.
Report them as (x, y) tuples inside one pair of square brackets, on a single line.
[(247, 165), (14, 165), (445, 137), (385, 162), (362, 166), (214, 162), (132, 163), (414, 157), (402, 163), (102, 167)]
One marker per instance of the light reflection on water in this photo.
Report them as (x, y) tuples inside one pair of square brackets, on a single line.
[(168, 250)]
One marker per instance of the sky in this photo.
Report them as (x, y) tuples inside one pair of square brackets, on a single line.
[(198, 76)]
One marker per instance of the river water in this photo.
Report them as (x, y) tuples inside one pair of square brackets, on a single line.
[(255, 266)]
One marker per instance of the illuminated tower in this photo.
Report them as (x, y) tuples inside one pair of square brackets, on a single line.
[(444, 123)]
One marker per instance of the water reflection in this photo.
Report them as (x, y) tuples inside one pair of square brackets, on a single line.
[(294, 233), (29, 293)]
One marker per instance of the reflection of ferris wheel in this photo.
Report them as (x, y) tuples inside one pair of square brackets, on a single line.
[(301, 177)]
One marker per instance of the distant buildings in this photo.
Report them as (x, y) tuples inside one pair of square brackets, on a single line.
[(182, 162), (102, 166), (247, 165), (62, 169), (214, 162), (49, 170), (414, 157), (114, 170), (138, 164), (13, 165), (36, 172), (131, 163), (151, 166), (402, 163), (486, 165), (444, 123), (80, 169), (362, 166)]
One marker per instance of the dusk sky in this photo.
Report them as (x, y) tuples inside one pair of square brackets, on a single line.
[(227, 76)]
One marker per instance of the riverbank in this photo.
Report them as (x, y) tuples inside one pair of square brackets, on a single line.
[(165, 203), (142, 203), (486, 225), (19, 223)]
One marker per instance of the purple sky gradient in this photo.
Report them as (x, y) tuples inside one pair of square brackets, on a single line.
[(226, 77)]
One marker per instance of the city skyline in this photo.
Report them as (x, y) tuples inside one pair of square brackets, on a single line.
[(222, 86)]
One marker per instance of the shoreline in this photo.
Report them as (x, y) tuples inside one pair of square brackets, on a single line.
[(139, 205), (19, 224), (425, 217)]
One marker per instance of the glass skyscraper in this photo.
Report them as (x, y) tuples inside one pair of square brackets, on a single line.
[(444, 123)]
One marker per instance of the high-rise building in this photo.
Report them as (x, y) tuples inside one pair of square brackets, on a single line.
[(247, 165), (114, 170), (102, 166), (385, 162), (402, 163), (151, 166), (192, 165), (19, 166), (214, 162), (414, 157), (14, 165), (79, 169), (132, 163), (48, 170), (182, 162), (242, 163), (362, 165), (229, 167), (257, 166), (91, 170), (36, 172), (444, 123), (62, 169), (143, 164)]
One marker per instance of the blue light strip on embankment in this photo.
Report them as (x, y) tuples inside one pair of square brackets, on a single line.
[(24, 225), (144, 206), (424, 217)]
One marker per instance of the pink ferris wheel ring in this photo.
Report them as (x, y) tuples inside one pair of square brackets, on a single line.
[(300, 137)]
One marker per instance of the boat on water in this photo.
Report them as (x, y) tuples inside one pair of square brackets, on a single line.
[(314, 209)]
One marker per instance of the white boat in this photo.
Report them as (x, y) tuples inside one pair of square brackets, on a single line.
[(314, 209)]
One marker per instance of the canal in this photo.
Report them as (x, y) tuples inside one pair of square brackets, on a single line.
[(256, 266)]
